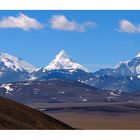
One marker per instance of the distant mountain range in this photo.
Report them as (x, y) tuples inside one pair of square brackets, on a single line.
[(125, 77), (60, 91)]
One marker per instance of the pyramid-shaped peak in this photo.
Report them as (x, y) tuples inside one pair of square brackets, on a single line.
[(62, 54), (63, 61)]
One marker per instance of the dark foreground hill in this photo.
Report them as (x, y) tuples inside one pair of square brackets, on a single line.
[(14, 115)]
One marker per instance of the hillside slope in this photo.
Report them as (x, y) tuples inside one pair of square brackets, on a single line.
[(14, 115)]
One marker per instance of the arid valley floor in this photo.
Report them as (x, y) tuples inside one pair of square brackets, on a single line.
[(123, 115)]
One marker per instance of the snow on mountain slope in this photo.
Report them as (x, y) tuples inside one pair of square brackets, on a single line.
[(14, 63), (138, 55), (126, 68), (125, 77), (129, 68), (37, 74), (63, 61)]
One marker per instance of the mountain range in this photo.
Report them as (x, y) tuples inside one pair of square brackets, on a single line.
[(125, 77), (58, 91)]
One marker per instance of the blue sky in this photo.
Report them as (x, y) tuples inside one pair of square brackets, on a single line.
[(96, 39)]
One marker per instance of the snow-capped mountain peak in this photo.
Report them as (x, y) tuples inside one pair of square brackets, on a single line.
[(131, 67), (125, 68), (138, 55), (63, 61), (14, 63), (62, 55)]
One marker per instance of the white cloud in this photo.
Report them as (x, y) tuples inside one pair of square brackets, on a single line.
[(60, 22), (21, 21), (128, 27)]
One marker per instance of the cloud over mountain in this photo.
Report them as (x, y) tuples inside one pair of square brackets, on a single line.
[(60, 22), (22, 21), (128, 27)]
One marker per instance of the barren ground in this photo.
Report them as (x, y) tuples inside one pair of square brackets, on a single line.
[(95, 115)]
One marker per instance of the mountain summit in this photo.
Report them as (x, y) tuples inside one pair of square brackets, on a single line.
[(129, 68), (13, 63), (138, 55), (125, 68), (63, 61), (13, 69)]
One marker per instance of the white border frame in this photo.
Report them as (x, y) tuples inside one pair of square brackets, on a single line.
[(69, 4), (70, 135)]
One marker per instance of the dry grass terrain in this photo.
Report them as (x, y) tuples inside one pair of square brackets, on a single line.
[(99, 120), (95, 115), (14, 115)]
